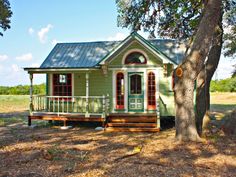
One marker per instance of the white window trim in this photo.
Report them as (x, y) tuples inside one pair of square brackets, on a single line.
[(132, 51)]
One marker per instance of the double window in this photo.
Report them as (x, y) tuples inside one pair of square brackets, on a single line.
[(62, 85)]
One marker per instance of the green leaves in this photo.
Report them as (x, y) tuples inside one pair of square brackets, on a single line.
[(5, 15), (167, 18)]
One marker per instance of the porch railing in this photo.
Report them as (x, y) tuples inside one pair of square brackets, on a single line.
[(61, 105)]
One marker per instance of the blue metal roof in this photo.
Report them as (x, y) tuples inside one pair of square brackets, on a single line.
[(89, 54)]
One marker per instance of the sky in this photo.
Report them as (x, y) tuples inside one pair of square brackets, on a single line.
[(36, 26)]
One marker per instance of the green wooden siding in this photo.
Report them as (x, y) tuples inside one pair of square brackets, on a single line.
[(99, 84), (166, 94), (79, 84), (117, 61)]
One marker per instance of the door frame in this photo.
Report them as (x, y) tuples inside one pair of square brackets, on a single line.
[(142, 91), (126, 70)]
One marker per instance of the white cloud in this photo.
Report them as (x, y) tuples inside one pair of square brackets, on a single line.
[(15, 68), (117, 37), (31, 31), (25, 57), (3, 57), (42, 34)]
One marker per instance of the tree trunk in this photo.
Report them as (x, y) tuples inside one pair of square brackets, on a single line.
[(205, 76), (189, 70)]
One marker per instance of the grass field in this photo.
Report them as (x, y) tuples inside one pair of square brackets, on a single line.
[(14, 103), (82, 151)]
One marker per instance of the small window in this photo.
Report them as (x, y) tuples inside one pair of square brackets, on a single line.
[(135, 58), (62, 78)]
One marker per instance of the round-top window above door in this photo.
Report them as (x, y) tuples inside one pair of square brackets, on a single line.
[(135, 58)]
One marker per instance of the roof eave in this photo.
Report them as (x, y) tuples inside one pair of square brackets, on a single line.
[(45, 70)]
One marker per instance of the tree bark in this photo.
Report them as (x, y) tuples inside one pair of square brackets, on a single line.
[(191, 67), (205, 76)]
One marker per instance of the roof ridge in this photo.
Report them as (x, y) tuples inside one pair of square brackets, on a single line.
[(86, 42)]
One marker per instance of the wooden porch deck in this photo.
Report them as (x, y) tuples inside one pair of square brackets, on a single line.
[(117, 122), (65, 118)]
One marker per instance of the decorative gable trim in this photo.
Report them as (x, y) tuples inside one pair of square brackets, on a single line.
[(144, 42)]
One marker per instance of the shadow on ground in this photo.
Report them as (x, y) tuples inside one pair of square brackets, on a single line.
[(82, 151)]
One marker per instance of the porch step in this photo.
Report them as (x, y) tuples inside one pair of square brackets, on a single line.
[(146, 125), (132, 119), (121, 129), (132, 123)]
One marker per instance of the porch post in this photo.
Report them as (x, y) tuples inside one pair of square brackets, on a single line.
[(87, 95), (158, 99), (31, 94)]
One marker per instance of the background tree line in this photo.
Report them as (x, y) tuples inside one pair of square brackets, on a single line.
[(224, 85), (23, 90)]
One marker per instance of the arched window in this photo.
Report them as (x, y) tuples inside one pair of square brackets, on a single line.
[(151, 91), (120, 91), (135, 58)]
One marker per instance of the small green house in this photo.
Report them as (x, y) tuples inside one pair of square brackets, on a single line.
[(126, 85)]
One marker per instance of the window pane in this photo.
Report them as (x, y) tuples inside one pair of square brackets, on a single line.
[(120, 91), (136, 84), (135, 58), (62, 79), (151, 89)]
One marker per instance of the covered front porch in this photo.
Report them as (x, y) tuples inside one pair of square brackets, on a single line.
[(62, 101)]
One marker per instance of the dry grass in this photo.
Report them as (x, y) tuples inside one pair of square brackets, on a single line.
[(13, 103), (226, 98), (222, 104)]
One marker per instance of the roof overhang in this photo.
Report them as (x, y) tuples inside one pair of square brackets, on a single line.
[(144, 42), (47, 70)]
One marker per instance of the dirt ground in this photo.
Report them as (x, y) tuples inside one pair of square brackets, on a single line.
[(50, 151), (46, 151)]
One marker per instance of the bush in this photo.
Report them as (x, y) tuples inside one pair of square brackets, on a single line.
[(23, 90), (224, 85)]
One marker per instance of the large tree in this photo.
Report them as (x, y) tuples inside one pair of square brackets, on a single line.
[(174, 19), (227, 19), (5, 15)]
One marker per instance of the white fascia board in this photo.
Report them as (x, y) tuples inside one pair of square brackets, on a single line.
[(40, 70)]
